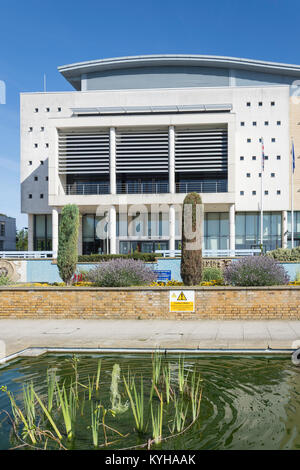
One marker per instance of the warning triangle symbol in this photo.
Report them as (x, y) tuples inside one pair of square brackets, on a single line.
[(181, 296)]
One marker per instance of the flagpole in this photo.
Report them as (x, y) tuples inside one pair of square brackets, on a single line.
[(292, 195), (261, 196)]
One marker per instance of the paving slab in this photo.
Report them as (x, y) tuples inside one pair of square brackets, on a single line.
[(17, 335)]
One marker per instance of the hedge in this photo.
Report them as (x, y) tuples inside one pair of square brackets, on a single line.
[(147, 257)]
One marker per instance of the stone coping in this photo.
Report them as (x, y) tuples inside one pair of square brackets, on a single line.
[(147, 288)]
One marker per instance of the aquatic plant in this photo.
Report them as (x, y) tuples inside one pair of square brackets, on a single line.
[(95, 423), (137, 405), (157, 421), (98, 375), (68, 407)]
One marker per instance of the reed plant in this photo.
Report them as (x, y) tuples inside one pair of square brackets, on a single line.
[(157, 421), (68, 407), (137, 405)]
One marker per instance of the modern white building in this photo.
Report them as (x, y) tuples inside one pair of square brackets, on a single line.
[(138, 133), (7, 233)]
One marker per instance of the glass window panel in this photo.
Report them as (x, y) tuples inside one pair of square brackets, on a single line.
[(88, 227), (251, 225), (213, 225), (224, 224), (49, 226), (40, 226), (240, 224)]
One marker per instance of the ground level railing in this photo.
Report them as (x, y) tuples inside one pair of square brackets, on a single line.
[(211, 253), (26, 254)]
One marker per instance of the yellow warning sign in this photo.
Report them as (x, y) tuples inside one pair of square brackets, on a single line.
[(182, 301), (182, 296)]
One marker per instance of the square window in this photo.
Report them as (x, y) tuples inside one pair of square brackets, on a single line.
[(41, 196), (46, 178), (278, 123), (248, 140), (248, 103), (266, 157), (35, 178), (242, 123), (47, 146), (242, 193), (260, 103), (259, 175), (30, 162), (266, 123), (47, 110), (253, 193), (41, 162), (36, 146), (272, 103), (30, 129), (36, 110), (248, 175), (278, 191), (278, 157), (266, 192), (59, 110), (254, 123), (42, 129), (254, 157), (29, 196), (272, 175), (273, 139), (241, 158)]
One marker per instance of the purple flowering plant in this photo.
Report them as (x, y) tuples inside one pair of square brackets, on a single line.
[(121, 272), (255, 271)]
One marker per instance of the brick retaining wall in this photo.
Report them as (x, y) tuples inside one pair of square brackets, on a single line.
[(145, 303)]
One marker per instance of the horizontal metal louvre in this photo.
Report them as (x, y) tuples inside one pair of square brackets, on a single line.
[(142, 152), (201, 150), (83, 153)]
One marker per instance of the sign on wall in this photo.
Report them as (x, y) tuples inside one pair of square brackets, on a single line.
[(182, 301), (163, 276)]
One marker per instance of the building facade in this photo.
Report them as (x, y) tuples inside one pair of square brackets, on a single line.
[(138, 133), (7, 233)]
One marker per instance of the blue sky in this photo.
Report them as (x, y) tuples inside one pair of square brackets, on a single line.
[(36, 37)]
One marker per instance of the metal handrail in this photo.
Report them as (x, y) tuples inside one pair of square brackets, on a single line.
[(211, 253), (27, 254)]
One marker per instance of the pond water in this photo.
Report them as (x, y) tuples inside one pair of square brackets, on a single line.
[(248, 402)]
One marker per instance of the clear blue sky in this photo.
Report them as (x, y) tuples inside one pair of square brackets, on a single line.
[(37, 36)]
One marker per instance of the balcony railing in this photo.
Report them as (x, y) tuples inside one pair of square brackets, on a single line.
[(219, 186), (146, 187), (86, 188)]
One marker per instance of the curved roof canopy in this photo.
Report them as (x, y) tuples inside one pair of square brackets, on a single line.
[(73, 72)]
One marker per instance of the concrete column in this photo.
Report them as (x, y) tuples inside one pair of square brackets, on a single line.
[(113, 230), (79, 246), (171, 159), (54, 232), (30, 232), (284, 229), (232, 228), (112, 160), (172, 228)]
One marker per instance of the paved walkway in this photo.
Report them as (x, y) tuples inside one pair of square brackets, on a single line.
[(21, 334)]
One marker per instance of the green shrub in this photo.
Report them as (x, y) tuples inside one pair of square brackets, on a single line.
[(121, 273), (4, 280), (255, 271), (285, 254), (67, 256), (212, 274), (147, 257)]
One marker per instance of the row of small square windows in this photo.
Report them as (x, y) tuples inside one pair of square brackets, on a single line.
[(41, 162), (266, 192), (31, 129), (259, 175), (254, 123), (260, 103), (36, 110), (273, 139), (36, 178), (278, 157), (30, 196), (46, 145)]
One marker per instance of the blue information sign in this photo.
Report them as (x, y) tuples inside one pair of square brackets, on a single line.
[(163, 276)]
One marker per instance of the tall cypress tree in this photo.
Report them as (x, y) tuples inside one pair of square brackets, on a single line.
[(67, 255), (191, 252)]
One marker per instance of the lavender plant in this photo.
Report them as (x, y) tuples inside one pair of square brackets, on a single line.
[(121, 273), (255, 271)]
